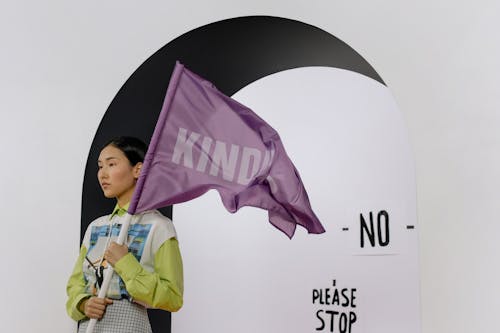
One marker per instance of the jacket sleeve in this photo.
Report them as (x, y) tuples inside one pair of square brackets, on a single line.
[(161, 289), (75, 288)]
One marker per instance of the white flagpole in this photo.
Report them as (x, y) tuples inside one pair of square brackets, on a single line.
[(108, 273), (174, 80)]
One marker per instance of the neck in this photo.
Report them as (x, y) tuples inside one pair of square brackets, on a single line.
[(125, 198), (122, 203)]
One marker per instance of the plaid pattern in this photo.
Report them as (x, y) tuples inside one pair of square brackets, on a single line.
[(121, 317)]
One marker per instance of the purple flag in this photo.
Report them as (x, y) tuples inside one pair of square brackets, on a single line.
[(205, 140)]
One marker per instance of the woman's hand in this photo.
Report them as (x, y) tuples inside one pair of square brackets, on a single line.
[(94, 307), (115, 252)]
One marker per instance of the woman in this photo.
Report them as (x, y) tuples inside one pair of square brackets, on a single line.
[(147, 271)]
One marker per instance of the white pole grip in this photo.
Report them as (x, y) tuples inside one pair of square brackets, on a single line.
[(108, 273)]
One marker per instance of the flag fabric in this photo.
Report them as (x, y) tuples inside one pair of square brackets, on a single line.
[(205, 140)]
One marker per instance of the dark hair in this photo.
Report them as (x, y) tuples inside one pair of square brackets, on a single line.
[(133, 148)]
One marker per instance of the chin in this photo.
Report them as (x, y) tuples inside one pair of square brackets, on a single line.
[(109, 195)]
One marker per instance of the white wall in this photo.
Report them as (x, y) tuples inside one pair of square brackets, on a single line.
[(61, 63)]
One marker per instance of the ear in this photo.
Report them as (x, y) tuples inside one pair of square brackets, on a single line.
[(137, 170)]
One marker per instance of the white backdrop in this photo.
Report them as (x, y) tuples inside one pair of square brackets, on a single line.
[(62, 62), (346, 137)]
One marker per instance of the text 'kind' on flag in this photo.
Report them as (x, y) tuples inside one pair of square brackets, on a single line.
[(205, 140)]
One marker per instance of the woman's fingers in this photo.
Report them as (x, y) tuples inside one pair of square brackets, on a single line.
[(115, 252), (95, 307)]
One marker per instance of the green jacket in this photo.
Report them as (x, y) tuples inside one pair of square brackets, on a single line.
[(151, 273)]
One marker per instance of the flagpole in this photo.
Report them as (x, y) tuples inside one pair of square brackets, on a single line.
[(108, 273), (172, 86)]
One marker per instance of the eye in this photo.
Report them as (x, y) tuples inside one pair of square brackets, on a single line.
[(99, 167)]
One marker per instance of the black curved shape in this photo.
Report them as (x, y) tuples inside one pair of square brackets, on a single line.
[(231, 54)]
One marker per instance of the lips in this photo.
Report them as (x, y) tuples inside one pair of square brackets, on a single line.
[(104, 185)]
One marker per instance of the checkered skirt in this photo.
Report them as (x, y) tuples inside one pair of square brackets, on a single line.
[(121, 317)]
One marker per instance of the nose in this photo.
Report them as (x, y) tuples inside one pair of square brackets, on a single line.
[(102, 173)]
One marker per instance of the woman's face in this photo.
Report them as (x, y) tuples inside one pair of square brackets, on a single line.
[(116, 176)]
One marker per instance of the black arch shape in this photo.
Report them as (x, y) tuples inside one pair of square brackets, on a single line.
[(231, 54)]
